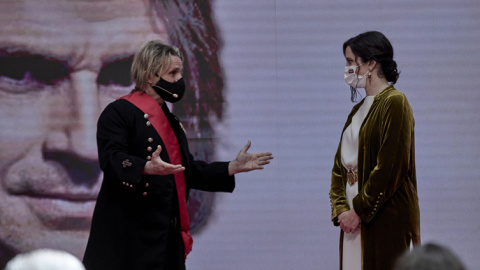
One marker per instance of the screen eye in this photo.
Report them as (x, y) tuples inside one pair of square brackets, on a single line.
[(31, 68), (116, 73)]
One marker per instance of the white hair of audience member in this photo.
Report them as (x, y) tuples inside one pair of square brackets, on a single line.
[(45, 259), (429, 257)]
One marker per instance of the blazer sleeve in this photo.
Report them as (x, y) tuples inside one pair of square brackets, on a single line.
[(338, 198), (210, 176), (113, 140), (393, 157)]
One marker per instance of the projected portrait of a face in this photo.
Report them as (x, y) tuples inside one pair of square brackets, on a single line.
[(61, 63)]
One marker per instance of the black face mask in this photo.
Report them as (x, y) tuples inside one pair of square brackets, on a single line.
[(171, 92)]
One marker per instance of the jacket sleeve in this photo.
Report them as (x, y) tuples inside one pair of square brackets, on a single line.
[(392, 160), (210, 176), (338, 198), (113, 140)]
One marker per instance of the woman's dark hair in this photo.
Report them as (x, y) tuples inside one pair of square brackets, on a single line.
[(374, 45)]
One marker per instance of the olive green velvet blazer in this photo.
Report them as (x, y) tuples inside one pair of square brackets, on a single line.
[(387, 201)]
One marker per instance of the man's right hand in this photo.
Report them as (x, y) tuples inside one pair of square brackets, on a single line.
[(157, 166)]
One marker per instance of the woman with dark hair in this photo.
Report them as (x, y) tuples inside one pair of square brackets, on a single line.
[(373, 187)]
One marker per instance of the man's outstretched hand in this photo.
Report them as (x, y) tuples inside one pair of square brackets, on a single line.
[(246, 162)]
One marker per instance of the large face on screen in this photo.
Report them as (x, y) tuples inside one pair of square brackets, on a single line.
[(61, 63), (55, 78)]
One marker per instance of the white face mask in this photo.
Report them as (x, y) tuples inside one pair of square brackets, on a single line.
[(353, 79)]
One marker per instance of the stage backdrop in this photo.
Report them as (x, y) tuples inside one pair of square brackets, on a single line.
[(283, 66)]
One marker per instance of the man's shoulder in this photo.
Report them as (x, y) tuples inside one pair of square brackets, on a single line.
[(119, 108), (120, 104)]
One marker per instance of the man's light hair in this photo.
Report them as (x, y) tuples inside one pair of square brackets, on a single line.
[(154, 57)]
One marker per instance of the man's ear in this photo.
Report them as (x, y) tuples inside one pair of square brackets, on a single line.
[(150, 79)]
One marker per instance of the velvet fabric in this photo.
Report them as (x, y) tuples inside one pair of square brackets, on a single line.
[(387, 200)]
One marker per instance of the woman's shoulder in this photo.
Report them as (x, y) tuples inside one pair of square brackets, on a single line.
[(391, 94), (396, 100)]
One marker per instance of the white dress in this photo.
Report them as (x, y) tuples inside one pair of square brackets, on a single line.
[(352, 249)]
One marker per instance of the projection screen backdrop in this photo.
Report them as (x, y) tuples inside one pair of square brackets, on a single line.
[(282, 88)]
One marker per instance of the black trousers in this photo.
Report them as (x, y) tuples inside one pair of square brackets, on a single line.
[(176, 249)]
